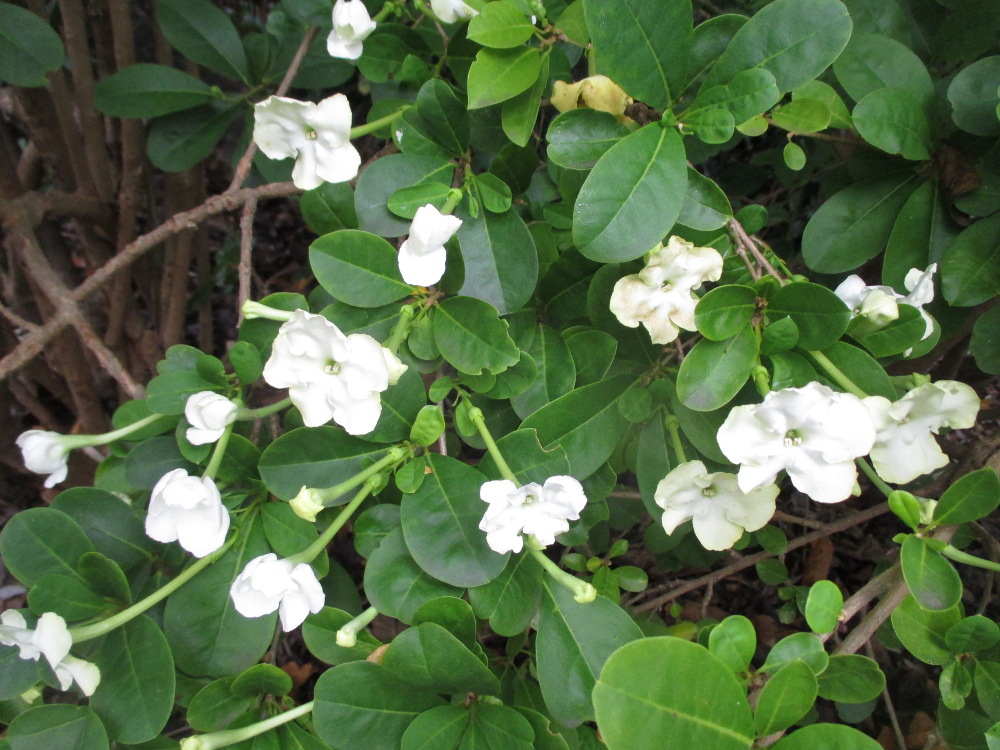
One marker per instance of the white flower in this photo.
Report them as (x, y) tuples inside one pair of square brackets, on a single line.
[(904, 446), (50, 638), (351, 26), (307, 504), (317, 135), (209, 414), (267, 584), (542, 511), (660, 296), (720, 510), (329, 375), (920, 285), (188, 510), (450, 11), (813, 432), (45, 452), (422, 256), (880, 304)]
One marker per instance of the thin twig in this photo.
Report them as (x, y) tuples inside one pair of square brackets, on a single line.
[(891, 709), (245, 267), (746, 241)]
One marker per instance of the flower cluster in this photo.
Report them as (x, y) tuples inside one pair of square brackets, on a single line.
[(422, 256), (330, 375), (318, 136), (268, 584), (543, 511), (187, 510), (351, 26), (880, 304), (209, 414), (661, 296), (49, 638)]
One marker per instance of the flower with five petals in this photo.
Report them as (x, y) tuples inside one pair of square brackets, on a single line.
[(268, 584), (540, 510), (187, 510)]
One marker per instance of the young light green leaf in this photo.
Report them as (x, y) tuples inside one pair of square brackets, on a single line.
[(500, 25), (499, 74), (823, 606), (932, 580), (785, 699), (717, 371)]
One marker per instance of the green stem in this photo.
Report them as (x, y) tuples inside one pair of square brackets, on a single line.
[(384, 11), (97, 629), (675, 437), (583, 592), (253, 310), (316, 548), (836, 375), (396, 454), (761, 380), (476, 415), (245, 414), (82, 441), (347, 636), (401, 330), (875, 478), (371, 127), (964, 557), (454, 198), (218, 453), (227, 737)]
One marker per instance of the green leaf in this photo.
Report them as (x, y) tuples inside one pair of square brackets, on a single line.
[(973, 633), (510, 600), (922, 631), (40, 541), (114, 527), (500, 74), (632, 196), (440, 727), (203, 32), (711, 124), (733, 642), (471, 336), (519, 113), (387, 175), (357, 268), (725, 311), (750, 93), (214, 707), (891, 120), (395, 584), (641, 46), (795, 40), (793, 156), (802, 116), (206, 633), (972, 497), (851, 678), (970, 269), (500, 25), (178, 141), (974, 97), (361, 704), (428, 657), (806, 647), (860, 367), (578, 138), (895, 338), (17, 675), (585, 422), (823, 606), (827, 736), (705, 207), (329, 208), (873, 61), (454, 615), (955, 684), (445, 115), (70, 598), (57, 726), (262, 679), (854, 225), (526, 457), (573, 642), (555, 372), (320, 634), (29, 47), (136, 694), (987, 682), (593, 352), (713, 372), (405, 201), (932, 580), (501, 265), (785, 699), (985, 342), (441, 525), (313, 457), (147, 90), (819, 314), (667, 687)]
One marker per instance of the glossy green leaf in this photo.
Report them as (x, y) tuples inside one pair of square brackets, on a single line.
[(383, 178), (499, 74), (713, 372), (180, 140), (725, 311), (632, 196), (593, 352), (454, 615), (519, 113), (892, 121), (733, 641), (320, 634), (329, 208), (29, 47), (203, 32), (70, 598), (578, 138), (500, 25), (806, 647), (555, 372), (819, 314), (668, 687), (641, 46), (955, 684), (357, 268), (471, 336), (501, 265), (785, 699), (985, 342), (147, 90), (526, 457), (440, 727), (17, 675), (114, 527), (793, 39), (895, 338), (42, 541), (827, 736), (361, 704), (974, 97), (802, 116), (712, 124), (705, 207), (262, 679), (972, 497), (970, 269), (57, 726), (573, 642), (861, 368), (750, 93), (510, 600), (793, 156), (987, 683), (922, 631), (823, 606), (428, 657), (444, 113), (973, 633), (214, 707), (873, 61), (854, 225), (932, 580), (851, 678)]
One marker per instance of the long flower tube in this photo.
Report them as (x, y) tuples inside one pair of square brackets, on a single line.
[(227, 737)]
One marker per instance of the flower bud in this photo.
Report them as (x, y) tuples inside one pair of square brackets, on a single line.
[(307, 504), (45, 452), (209, 414)]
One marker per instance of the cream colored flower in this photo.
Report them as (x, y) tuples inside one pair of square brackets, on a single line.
[(209, 414), (351, 26), (543, 511), (596, 92)]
